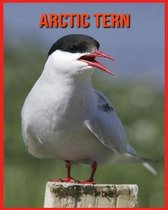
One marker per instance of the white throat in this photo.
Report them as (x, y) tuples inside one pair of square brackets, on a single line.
[(70, 91)]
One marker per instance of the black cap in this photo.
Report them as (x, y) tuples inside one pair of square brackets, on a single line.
[(74, 43)]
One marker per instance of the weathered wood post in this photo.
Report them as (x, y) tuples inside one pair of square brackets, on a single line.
[(59, 195)]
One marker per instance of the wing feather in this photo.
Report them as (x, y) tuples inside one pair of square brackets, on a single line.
[(108, 129), (106, 125)]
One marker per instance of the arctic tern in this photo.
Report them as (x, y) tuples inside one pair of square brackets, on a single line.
[(64, 117)]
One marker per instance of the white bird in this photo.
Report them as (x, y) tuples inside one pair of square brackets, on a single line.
[(64, 117)]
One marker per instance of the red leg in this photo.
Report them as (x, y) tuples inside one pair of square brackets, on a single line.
[(68, 178), (91, 179)]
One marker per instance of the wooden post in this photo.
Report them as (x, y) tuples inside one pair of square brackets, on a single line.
[(59, 195)]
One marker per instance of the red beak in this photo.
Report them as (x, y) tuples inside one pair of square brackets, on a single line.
[(90, 60)]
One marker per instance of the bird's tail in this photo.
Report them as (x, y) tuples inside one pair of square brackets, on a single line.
[(144, 161), (149, 168)]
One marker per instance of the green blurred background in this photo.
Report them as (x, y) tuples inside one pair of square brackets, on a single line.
[(136, 91)]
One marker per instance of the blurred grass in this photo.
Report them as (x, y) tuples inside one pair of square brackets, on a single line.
[(140, 106)]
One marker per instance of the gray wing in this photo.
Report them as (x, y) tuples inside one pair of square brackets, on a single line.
[(106, 126), (108, 129)]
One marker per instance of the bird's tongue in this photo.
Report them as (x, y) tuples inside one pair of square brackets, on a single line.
[(90, 60)]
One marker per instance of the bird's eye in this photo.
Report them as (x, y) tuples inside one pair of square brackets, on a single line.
[(72, 49)]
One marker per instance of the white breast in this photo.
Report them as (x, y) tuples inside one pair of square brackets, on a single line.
[(52, 119)]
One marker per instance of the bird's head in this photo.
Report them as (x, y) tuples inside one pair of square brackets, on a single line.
[(75, 54)]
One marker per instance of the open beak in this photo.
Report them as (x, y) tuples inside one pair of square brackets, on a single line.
[(90, 60)]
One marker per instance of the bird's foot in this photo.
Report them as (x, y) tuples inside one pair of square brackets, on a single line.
[(67, 179), (88, 181)]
